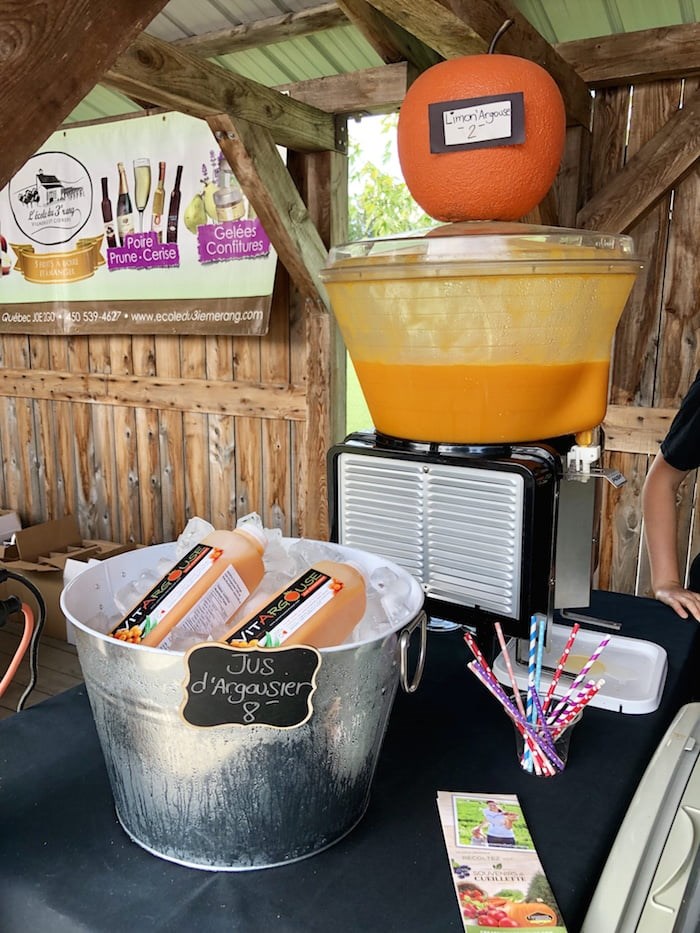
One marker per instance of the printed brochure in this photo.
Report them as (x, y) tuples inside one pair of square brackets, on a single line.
[(497, 875)]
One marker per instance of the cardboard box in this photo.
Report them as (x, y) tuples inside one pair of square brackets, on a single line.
[(9, 524), (39, 554)]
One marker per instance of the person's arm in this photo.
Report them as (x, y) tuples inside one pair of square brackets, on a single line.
[(659, 508)]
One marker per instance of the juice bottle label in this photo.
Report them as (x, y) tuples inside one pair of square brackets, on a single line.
[(223, 598), (288, 611)]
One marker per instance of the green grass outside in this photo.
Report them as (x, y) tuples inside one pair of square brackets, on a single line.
[(356, 412)]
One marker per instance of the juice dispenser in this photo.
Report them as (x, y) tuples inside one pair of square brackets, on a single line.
[(483, 351)]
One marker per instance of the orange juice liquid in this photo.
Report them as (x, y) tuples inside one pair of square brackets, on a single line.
[(472, 404)]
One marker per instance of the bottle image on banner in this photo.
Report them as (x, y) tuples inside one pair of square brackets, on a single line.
[(159, 203), (125, 213), (142, 187), (228, 198), (174, 209), (107, 215)]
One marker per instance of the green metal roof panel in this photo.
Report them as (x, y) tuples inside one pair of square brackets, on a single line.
[(566, 20)]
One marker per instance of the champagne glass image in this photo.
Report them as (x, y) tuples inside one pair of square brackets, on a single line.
[(142, 184)]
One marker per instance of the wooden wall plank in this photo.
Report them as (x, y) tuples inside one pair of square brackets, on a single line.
[(195, 434), (47, 466), (27, 491), (249, 476), (171, 443), (63, 432), (678, 358), (634, 357), (661, 163), (127, 506), (147, 449), (222, 438), (177, 393), (105, 481), (607, 156)]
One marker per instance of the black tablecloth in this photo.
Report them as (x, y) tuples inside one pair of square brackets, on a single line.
[(66, 865)]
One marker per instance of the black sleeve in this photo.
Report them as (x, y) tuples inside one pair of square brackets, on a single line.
[(681, 446)]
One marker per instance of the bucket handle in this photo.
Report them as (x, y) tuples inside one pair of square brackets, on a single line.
[(404, 642)]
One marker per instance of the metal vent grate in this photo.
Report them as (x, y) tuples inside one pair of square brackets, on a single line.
[(457, 529)]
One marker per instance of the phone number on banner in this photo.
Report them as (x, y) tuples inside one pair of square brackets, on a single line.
[(237, 319)]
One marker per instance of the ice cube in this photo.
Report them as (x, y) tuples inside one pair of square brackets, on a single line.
[(396, 608), (308, 552), (373, 623), (127, 597), (194, 531), (386, 580)]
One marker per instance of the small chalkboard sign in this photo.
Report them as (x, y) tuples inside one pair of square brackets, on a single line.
[(249, 686), (477, 122)]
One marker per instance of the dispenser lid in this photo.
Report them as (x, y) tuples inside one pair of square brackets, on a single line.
[(482, 242)]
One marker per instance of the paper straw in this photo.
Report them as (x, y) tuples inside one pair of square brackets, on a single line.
[(531, 662), (573, 712), (570, 701), (469, 638), (561, 664), (539, 759), (541, 632), (582, 673), (509, 667)]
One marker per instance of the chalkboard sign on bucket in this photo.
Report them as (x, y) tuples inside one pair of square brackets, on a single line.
[(249, 686)]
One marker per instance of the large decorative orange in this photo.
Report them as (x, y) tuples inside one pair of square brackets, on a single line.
[(481, 174)]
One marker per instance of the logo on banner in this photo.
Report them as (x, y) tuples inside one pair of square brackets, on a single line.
[(51, 198)]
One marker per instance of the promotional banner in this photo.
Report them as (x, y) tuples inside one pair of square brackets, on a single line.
[(137, 226)]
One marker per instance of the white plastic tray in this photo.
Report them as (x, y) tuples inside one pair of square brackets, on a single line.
[(634, 670)]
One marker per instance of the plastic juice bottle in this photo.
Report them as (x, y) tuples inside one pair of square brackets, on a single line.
[(320, 609), (204, 588)]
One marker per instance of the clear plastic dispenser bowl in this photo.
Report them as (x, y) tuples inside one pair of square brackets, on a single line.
[(482, 332)]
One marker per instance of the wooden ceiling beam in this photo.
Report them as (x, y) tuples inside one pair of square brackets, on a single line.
[(373, 90), (659, 165), (252, 154), (390, 40), (169, 77), (53, 54), (634, 57), (265, 31), (465, 27)]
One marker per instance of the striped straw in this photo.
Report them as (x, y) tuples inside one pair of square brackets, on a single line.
[(509, 667), (561, 664), (573, 712), (581, 674), (541, 632), (570, 701), (531, 663), (539, 758), (471, 641)]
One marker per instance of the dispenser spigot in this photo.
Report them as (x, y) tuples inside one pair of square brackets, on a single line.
[(581, 456)]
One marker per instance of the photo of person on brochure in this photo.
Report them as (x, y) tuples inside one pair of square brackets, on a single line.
[(498, 825), (490, 822)]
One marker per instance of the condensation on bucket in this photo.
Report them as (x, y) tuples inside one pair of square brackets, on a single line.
[(231, 798)]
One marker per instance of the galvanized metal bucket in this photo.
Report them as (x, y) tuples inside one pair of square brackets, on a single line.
[(233, 798)]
